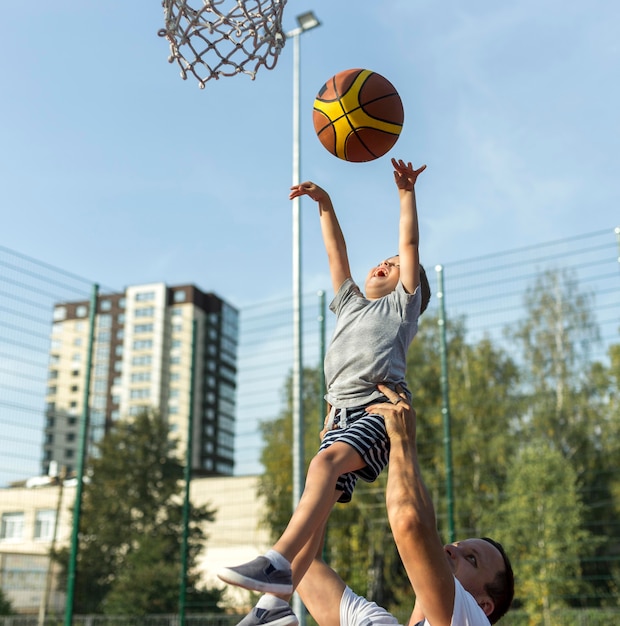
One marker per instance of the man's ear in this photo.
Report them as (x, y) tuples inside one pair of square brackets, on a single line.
[(486, 604)]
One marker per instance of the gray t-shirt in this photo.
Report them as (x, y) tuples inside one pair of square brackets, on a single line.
[(370, 343)]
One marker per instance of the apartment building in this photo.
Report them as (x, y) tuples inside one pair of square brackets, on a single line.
[(173, 349)]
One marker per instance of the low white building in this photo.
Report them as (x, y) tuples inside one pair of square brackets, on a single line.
[(36, 516)]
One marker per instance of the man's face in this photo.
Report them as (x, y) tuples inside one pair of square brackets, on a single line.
[(474, 563), (382, 279)]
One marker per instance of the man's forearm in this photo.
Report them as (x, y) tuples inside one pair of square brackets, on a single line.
[(407, 499)]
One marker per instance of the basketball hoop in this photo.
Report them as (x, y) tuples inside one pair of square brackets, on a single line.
[(209, 42)]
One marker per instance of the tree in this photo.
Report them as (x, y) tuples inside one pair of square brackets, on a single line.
[(6, 608), (573, 405), (484, 400), (555, 340), (132, 521), (543, 516)]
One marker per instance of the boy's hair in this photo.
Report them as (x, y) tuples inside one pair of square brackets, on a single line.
[(502, 589), (426, 290)]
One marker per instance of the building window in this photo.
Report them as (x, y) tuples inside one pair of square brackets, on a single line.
[(176, 343), (104, 321), (143, 328), (60, 313), (179, 296), (68, 454), (140, 393), (12, 528), (176, 312), (142, 344), (81, 311), (145, 296), (44, 524), (147, 311), (105, 305)]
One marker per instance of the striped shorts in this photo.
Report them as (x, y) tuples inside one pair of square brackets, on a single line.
[(366, 433)]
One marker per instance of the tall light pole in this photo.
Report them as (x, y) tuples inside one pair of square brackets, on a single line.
[(306, 21)]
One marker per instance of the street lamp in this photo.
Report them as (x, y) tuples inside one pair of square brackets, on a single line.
[(306, 21)]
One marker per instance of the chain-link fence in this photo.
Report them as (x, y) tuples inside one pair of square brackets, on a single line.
[(493, 296)]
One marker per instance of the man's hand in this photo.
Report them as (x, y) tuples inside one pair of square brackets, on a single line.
[(404, 175), (400, 418)]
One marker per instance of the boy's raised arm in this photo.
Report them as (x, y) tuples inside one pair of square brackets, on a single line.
[(333, 238), (408, 233)]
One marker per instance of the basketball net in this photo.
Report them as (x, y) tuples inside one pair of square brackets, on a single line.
[(209, 42)]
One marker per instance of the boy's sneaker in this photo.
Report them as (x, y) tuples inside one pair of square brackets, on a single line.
[(259, 575), (282, 616)]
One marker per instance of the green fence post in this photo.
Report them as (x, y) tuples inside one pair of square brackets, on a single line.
[(188, 478), (445, 393), (83, 447)]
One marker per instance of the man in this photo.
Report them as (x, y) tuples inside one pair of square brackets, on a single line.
[(469, 583)]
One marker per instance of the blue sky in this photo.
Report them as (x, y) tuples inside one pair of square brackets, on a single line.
[(116, 169)]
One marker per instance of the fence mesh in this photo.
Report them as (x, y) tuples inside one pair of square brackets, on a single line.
[(487, 292)]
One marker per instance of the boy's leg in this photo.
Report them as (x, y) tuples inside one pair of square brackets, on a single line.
[(313, 509), (274, 574)]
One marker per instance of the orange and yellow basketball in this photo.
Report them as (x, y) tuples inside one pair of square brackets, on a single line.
[(358, 115)]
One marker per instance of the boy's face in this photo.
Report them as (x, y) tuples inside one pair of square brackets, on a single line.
[(382, 279)]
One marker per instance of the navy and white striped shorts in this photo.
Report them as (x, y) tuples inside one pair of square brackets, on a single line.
[(366, 433)]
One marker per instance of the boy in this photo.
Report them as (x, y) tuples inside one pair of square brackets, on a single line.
[(369, 346)]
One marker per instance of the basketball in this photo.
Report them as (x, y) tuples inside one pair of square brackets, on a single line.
[(358, 115)]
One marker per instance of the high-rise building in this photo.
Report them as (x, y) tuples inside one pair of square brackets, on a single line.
[(153, 346)]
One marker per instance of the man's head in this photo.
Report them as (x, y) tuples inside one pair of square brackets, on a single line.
[(484, 570), (383, 278)]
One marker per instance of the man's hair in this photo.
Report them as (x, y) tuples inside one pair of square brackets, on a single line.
[(502, 589), (426, 290)]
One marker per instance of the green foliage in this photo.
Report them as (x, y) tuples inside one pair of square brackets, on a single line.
[(131, 523), (542, 517), (6, 607)]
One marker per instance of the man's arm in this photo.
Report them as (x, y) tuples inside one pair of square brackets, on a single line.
[(412, 516), (333, 238), (408, 233)]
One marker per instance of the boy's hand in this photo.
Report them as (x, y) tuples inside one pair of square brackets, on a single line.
[(309, 189), (404, 175)]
